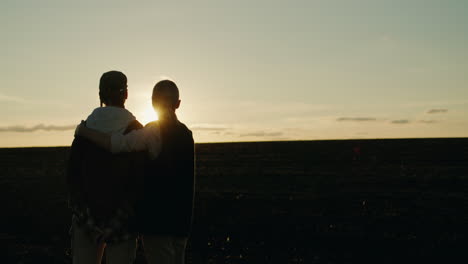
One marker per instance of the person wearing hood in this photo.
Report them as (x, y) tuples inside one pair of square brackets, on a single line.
[(104, 187)]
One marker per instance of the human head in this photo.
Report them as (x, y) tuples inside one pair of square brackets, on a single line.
[(165, 97), (113, 88)]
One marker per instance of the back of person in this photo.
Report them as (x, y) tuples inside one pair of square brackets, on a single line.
[(110, 181), (167, 203), (104, 187), (107, 183)]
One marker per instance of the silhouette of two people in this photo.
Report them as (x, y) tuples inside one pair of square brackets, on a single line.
[(127, 181)]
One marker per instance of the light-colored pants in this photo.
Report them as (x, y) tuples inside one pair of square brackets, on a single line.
[(164, 249), (86, 251)]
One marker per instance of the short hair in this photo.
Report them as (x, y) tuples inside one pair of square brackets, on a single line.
[(112, 86), (166, 90)]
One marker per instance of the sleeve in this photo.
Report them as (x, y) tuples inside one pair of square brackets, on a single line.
[(147, 138), (74, 180)]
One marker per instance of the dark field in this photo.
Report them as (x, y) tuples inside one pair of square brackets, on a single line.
[(350, 201)]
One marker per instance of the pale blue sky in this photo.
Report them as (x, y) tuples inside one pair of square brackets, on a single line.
[(247, 70)]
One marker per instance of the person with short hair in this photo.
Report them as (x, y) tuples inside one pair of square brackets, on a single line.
[(164, 214), (103, 187)]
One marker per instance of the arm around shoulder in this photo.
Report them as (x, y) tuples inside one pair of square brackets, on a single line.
[(99, 138), (147, 138)]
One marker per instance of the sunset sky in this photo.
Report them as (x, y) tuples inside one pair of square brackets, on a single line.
[(247, 70)]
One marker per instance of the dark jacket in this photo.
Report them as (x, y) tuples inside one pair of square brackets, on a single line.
[(101, 181), (166, 207)]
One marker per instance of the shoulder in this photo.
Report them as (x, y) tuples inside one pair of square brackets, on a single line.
[(187, 132), (133, 125), (152, 124), (97, 110), (93, 114), (184, 127)]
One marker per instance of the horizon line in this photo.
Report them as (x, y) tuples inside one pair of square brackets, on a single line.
[(271, 141)]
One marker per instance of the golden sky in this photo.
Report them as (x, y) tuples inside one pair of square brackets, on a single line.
[(247, 70)]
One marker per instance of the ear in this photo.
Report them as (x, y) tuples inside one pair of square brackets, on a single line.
[(177, 105)]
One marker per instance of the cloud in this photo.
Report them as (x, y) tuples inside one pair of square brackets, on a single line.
[(400, 122), (356, 119), (14, 99), (436, 104), (23, 101), (208, 127), (262, 134), (362, 133), (437, 111), (36, 128), (428, 121)]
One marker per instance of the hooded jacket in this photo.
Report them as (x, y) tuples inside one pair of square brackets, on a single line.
[(103, 187)]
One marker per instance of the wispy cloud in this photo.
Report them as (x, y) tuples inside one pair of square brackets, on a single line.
[(437, 111), (23, 101), (361, 134), (442, 104), (428, 121), (262, 134), (14, 99), (400, 122), (356, 119), (209, 127), (36, 128)]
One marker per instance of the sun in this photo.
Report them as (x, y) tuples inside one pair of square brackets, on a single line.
[(147, 115)]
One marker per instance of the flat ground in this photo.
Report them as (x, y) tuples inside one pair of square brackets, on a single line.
[(348, 201)]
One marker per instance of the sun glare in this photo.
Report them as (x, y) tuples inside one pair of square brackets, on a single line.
[(148, 115)]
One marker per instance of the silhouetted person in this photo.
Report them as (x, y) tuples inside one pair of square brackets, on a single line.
[(164, 215), (103, 187)]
